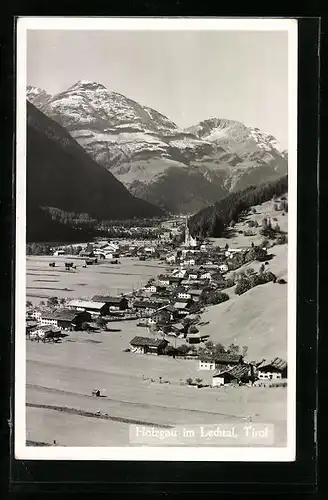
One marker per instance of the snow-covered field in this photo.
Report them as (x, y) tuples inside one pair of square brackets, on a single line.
[(64, 375), (104, 278)]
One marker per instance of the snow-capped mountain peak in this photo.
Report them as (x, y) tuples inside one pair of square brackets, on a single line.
[(179, 169)]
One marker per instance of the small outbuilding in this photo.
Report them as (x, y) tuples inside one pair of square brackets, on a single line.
[(237, 374)]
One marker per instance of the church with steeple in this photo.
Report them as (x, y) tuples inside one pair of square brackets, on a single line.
[(189, 242)]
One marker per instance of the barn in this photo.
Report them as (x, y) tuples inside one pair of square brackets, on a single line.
[(114, 303), (146, 345), (90, 306), (68, 319), (236, 374)]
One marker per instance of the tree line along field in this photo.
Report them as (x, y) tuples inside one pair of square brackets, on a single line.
[(103, 278), (146, 388)]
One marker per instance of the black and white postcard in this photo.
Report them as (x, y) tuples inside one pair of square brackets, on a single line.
[(156, 239)]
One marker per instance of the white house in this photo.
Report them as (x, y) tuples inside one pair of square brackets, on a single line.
[(189, 262), (206, 276), (48, 318), (170, 259), (150, 289), (206, 365), (164, 281), (184, 295), (179, 273), (150, 250), (223, 268), (35, 315), (272, 370), (57, 253)]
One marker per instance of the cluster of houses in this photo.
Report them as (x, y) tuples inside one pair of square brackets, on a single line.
[(227, 368), (168, 305)]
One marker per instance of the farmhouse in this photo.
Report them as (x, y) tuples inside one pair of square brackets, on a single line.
[(162, 316), (275, 369), (150, 288), (182, 306), (193, 338), (44, 331), (179, 328), (164, 280), (35, 314), (206, 364), (68, 319), (183, 294), (92, 307), (57, 253), (48, 318), (146, 306), (145, 345), (114, 303), (31, 327), (86, 254), (195, 293), (174, 280), (239, 373)]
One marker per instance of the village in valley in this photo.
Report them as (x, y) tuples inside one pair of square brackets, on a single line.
[(122, 330)]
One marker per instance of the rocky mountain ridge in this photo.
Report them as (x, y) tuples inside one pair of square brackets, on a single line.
[(149, 153)]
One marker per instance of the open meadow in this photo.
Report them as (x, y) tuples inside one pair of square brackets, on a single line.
[(61, 377), (103, 278), (235, 237)]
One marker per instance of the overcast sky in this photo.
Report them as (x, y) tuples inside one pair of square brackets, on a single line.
[(188, 76)]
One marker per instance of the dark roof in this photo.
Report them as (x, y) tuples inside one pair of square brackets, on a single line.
[(175, 279), (146, 304), (49, 314), (178, 326), (237, 372), (226, 357), (139, 341), (108, 299), (67, 314), (277, 363), (31, 324)]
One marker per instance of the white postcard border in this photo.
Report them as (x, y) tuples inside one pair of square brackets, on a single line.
[(249, 454)]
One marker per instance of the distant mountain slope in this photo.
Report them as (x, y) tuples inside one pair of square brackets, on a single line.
[(61, 174), (144, 149), (212, 220)]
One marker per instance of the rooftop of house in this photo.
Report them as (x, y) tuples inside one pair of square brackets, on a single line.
[(48, 328), (108, 299), (86, 304), (236, 372), (178, 326), (277, 363), (146, 341), (146, 304), (195, 291), (226, 357), (180, 305), (66, 314)]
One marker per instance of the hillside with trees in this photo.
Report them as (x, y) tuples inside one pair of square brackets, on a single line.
[(213, 220), (60, 174)]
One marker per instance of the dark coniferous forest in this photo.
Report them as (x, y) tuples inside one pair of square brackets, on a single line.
[(213, 220)]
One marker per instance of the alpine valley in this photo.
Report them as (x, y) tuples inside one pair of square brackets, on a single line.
[(179, 170)]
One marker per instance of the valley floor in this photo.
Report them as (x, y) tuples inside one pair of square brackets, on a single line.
[(61, 377)]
